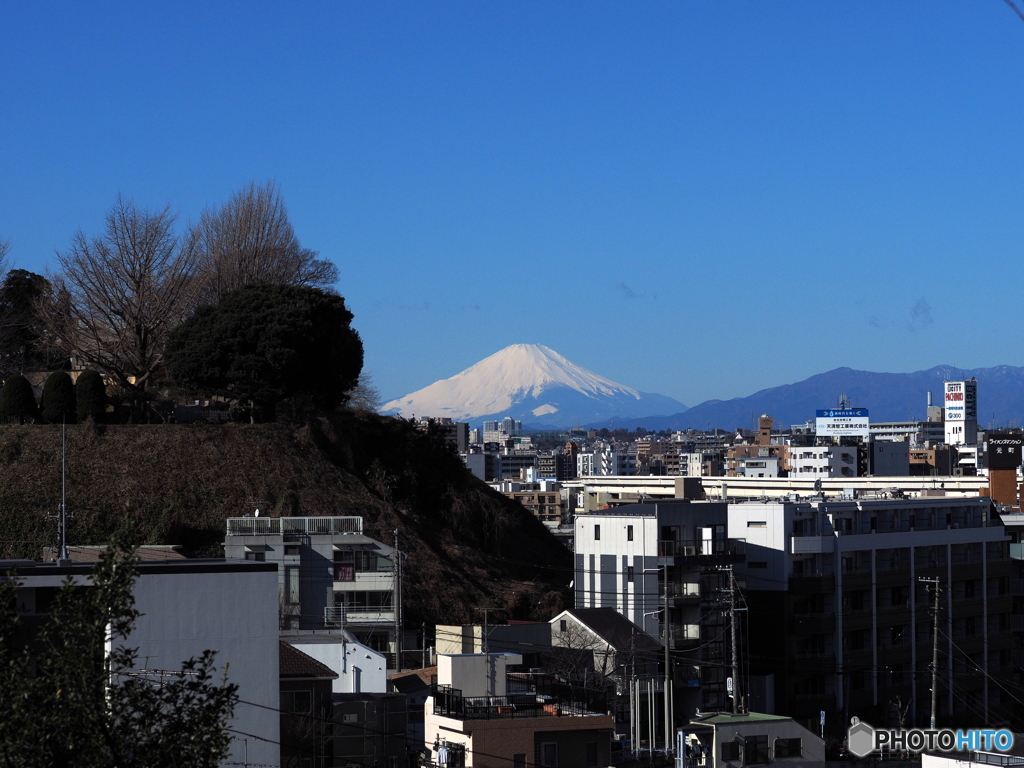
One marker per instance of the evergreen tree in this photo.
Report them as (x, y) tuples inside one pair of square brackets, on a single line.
[(91, 397), (17, 400), (72, 695), (264, 344), (58, 401)]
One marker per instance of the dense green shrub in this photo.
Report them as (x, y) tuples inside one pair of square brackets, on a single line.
[(17, 400), (91, 397), (58, 401)]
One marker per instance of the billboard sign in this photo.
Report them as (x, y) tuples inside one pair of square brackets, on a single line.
[(842, 422), (961, 400), (1004, 450)]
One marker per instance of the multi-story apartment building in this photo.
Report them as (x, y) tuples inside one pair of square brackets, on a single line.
[(456, 433), (823, 461), (605, 463), (640, 559), (329, 574), (843, 617)]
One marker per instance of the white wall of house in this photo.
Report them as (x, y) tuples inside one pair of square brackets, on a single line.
[(360, 669)]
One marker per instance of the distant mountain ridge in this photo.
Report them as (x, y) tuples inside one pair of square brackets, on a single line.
[(887, 396), (534, 384)]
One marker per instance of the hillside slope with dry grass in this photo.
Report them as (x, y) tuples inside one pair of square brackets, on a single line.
[(467, 546)]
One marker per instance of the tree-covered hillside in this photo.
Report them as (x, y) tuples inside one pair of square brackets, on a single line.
[(467, 546)]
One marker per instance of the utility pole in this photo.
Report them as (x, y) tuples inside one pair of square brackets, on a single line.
[(63, 492), (398, 605), (487, 659), (668, 665), (735, 654), (934, 581)]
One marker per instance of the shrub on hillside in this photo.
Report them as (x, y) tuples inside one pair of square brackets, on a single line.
[(58, 401), (91, 397), (17, 400)]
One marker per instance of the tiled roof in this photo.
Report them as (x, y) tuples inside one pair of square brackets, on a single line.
[(414, 678), (615, 629), (295, 663)]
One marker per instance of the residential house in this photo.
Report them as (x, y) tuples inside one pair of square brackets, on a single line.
[(726, 740), (479, 716), (307, 729)]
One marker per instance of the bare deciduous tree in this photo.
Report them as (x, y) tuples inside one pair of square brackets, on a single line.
[(365, 396), (250, 240), (5, 247), (119, 295)]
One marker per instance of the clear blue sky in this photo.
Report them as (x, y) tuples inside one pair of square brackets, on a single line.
[(696, 199)]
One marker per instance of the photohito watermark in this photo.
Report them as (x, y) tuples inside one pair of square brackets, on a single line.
[(863, 739)]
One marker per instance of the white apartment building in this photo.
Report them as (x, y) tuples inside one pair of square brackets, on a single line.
[(823, 461), (757, 466), (605, 463), (635, 557), (330, 576)]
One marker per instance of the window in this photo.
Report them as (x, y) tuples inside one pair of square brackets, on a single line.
[(257, 556), (629, 573), (597, 533), (563, 625), (629, 533), (757, 523), (591, 753), (730, 750), (344, 566), (291, 586), (549, 754), (299, 702), (755, 750), (788, 748), (291, 550)]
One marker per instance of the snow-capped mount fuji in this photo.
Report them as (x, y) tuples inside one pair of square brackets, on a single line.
[(535, 385)]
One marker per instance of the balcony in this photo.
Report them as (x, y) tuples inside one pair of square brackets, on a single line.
[(813, 545), (812, 583), (703, 551), (684, 636), (350, 615), (814, 623), (689, 590), (293, 526)]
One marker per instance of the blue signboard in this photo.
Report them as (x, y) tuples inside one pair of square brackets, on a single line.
[(843, 413)]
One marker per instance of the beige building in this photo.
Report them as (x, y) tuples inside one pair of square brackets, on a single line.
[(480, 716)]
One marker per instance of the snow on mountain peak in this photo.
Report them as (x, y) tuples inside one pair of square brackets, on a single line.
[(506, 378)]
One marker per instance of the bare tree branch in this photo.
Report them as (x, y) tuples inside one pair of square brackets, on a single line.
[(118, 296), (250, 240), (5, 248)]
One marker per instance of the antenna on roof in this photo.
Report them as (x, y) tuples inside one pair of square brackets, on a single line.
[(63, 558)]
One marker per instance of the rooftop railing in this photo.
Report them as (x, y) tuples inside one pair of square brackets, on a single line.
[(449, 702), (282, 526)]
